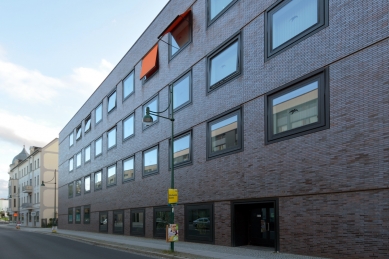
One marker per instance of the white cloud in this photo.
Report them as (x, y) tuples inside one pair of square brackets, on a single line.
[(3, 188)]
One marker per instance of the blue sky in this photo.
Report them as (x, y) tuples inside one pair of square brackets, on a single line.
[(53, 55)]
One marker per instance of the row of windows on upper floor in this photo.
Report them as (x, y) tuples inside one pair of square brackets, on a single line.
[(27, 169), (287, 22)]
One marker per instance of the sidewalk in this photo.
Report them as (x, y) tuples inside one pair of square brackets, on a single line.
[(159, 248)]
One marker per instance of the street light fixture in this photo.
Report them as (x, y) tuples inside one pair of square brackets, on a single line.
[(148, 120), (54, 226)]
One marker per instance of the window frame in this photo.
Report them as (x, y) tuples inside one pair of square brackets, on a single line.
[(132, 211), (322, 76), (116, 175), (71, 209), (323, 22), (79, 154), (178, 80), (108, 132), (71, 139), (182, 164), (103, 213), (101, 153), (133, 126), (79, 129), (143, 161), (90, 124), (97, 122), (113, 221), (132, 72), (209, 206), (108, 98), (90, 184), (155, 210), (71, 162), (75, 214), (101, 180), (237, 37), (133, 161), (211, 21), (84, 218), (144, 106), (72, 188), (78, 180), (239, 112), (171, 56), (85, 152)]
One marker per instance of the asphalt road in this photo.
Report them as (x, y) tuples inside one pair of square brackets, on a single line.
[(28, 245)]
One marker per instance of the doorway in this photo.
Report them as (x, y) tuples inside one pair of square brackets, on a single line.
[(255, 223)]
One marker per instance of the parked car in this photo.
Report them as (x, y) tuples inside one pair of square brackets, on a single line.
[(202, 223)]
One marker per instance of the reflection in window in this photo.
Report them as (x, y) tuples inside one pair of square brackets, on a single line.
[(78, 133), (181, 91), (162, 217), (216, 6), (99, 113), (111, 174), (150, 161), (98, 146), (87, 124), (70, 190), (199, 222), (118, 221), (224, 133), (128, 85), (103, 221), (78, 159), (86, 215), (87, 154), (153, 105), (112, 138), (70, 215), (225, 63), (112, 101), (182, 149), (78, 215), (98, 180), (87, 184), (180, 36), (128, 127), (137, 223), (128, 169), (71, 139), (296, 109), (78, 187), (71, 163)]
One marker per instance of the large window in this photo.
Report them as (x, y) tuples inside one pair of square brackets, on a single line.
[(182, 91), (128, 127), (182, 149), (86, 214), (111, 101), (128, 169), (111, 138), (78, 187), (71, 139), (87, 184), (70, 190), (78, 159), (180, 36), (298, 108), (70, 215), (78, 215), (98, 146), (217, 7), (161, 219), (87, 154), (111, 175), (128, 85), (291, 21), (71, 164), (103, 221), (118, 221), (150, 161), (99, 113), (137, 222), (78, 132), (153, 105), (98, 184), (224, 63), (199, 222), (87, 124), (225, 134)]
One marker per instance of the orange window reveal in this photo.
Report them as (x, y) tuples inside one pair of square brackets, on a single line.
[(174, 23), (149, 62)]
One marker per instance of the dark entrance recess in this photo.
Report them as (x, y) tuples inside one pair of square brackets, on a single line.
[(255, 223)]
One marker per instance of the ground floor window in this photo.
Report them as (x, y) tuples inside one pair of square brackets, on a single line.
[(86, 214), (70, 215), (78, 215), (103, 221), (137, 222), (118, 221), (161, 219), (199, 222)]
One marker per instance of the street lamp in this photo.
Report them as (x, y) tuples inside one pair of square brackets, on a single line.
[(54, 226), (148, 120)]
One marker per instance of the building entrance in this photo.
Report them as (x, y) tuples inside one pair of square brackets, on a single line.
[(255, 224)]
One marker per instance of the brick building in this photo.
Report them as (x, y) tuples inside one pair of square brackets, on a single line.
[(281, 126)]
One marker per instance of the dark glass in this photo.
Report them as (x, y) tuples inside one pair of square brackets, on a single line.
[(86, 215), (87, 124), (118, 221), (199, 225), (70, 190), (162, 218), (137, 223), (103, 221), (78, 187), (70, 215), (78, 215)]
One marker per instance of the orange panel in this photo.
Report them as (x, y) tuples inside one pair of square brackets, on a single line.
[(149, 61), (174, 23)]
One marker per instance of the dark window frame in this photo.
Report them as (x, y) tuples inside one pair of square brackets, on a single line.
[(108, 97), (143, 162), (113, 222), (181, 135), (79, 129), (219, 118), (237, 37), (90, 184), (75, 215), (90, 124), (71, 159), (199, 206), (132, 219), (103, 213), (178, 80), (79, 153), (144, 106), (123, 121), (94, 180), (90, 150), (116, 137), (155, 210), (116, 175), (72, 184), (322, 23), (320, 75), (100, 104), (129, 179), (71, 209), (80, 179), (84, 218), (71, 137), (133, 82), (101, 153), (211, 21), (171, 56)]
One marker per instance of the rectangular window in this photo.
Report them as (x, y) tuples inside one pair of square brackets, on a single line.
[(78, 187), (71, 163), (78, 132), (87, 124), (71, 139), (199, 222), (111, 175), (180, 36), (150, 161), (137, 222), (112, 101), (99, 113), (298, 108), (153, 105), (87, 154), (78, 215), (78, 159), (128, 127), (161, 219), (182, 150), (98, 146), (224, 63), (128, 85), (86, 214), (225, 134), (118, 221), (128, 169), (98, 185), (182, 91), (103, 221), (217, 7), (111, 138), (87, 184), (70, 215), (289, 22)]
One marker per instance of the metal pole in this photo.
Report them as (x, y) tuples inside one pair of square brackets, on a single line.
[(172, 165)]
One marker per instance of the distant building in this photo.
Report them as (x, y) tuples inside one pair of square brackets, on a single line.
[(29, 202), (4, 206)]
